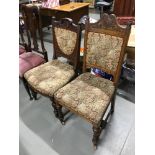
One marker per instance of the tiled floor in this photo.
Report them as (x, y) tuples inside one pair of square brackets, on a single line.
[(42, 134)]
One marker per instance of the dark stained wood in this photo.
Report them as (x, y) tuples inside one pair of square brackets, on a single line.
[(30, 24), (63, 2), (32, 28), (24, 44), (124, 8), (21, 39)]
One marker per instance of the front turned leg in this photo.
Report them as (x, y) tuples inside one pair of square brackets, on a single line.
[(97, 132), (34, 94), (54, 107), (113, 103), (60, 114)]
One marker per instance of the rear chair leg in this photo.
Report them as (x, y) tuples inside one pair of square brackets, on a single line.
[(27, 88), (34, 94)]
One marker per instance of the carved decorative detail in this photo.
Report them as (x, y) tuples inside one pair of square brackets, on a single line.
[(108, 22)]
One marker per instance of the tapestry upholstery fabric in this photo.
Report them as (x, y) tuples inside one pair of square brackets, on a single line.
[(28, 61), (103, 50), (21, 50), (66, 40), (50, 76), (87, 95)]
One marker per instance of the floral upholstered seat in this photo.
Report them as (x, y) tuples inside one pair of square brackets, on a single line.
[(49, 77), (88, 95)]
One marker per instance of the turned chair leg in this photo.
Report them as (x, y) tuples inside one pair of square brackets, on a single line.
[(34, 94), (97, 132), (54, 107), (27, 88), (113, 103), (60, 114)]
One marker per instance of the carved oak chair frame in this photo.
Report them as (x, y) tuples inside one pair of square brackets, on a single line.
[(29, 17), (107, 25), (72, 58)]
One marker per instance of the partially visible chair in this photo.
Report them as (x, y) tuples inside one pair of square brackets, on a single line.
[(34, 56), (90, 96), (22, 44), (46, 79), (124, 20), (104, 6)]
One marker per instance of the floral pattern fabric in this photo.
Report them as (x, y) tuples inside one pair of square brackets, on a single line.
[(66, 40), (103, 50), (50, 76), (87, 95)]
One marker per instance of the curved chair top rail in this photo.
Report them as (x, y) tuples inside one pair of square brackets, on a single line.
[(109, 22)]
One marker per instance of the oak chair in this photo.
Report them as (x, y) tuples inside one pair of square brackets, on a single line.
[(51, 76), (34, 55), (89, 96)]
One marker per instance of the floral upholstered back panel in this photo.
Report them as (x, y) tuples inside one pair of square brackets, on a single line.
[(103, 50), (66, 40)]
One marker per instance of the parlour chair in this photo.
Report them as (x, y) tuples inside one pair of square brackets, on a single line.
[(33, 56), (46, 79), (90, 96), (104, 6)]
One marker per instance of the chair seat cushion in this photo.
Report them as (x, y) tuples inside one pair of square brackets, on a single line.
[(21, 50), (28, 61), (49, 77), (87, 95)]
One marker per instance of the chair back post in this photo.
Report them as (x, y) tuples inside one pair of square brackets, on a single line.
[(23, 9), (108, 52), (23, 43), (32, 13), (31, 18), (66, 40), (41, 34), (126, 38)]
